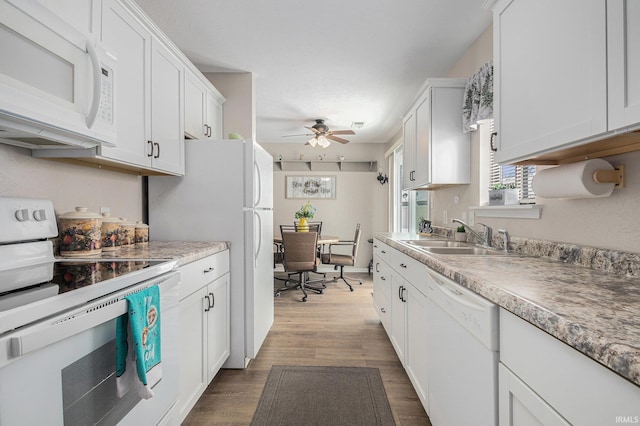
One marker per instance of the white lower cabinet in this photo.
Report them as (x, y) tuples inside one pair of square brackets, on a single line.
[(397, 284), (382, 291), (204, 326), (543, 381), (416, 343), (520, 405), (398, 316)]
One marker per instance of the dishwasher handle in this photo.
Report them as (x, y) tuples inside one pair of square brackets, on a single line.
[(450, 292)]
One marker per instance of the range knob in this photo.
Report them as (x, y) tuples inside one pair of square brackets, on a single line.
[(22, 215), (40, 215)]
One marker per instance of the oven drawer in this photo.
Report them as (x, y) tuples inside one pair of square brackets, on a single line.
[(196, 275)]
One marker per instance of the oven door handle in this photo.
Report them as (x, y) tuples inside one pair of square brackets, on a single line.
[(42, 335)]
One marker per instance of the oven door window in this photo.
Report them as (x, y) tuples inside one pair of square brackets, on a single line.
[(89, 389)]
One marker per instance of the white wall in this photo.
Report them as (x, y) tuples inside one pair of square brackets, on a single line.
[(69, 185), (240, 108), (606, 223), (359, 196)]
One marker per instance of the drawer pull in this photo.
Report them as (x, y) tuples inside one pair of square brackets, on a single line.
[(383, 310), (210, 269), (402, 265), (383, 252), (383, 278)]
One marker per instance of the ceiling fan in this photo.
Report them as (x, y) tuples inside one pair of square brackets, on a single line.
[(322, 135)]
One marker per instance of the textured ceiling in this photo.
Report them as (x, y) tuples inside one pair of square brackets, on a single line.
[(340, 60)]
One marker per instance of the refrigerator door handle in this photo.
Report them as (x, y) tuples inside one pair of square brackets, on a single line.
[(258, 233), (257, 198)]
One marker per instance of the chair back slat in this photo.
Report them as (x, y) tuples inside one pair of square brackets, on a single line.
[(313, 226), (356, 241)]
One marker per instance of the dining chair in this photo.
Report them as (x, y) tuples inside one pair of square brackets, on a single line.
[(342, 260), (299, 258)]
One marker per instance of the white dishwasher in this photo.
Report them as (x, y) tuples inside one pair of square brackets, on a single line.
[(462, 355)]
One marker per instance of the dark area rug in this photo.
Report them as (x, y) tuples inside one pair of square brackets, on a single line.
[(295, 395)]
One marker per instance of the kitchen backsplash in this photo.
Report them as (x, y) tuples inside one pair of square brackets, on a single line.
[(604, 260)]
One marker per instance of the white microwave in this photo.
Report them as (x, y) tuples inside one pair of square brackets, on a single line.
[(56, 84)]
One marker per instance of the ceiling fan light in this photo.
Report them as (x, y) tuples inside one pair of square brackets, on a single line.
[(323, 141), (312, 142)]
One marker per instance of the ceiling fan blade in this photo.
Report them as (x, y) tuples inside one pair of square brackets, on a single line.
[(302, 134), (342, 132), (316, 131), (337, 139)]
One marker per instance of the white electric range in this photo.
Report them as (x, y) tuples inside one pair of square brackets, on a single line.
[(57, 327)]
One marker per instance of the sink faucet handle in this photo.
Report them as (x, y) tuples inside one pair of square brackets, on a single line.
[(506, 238), (488, 233)]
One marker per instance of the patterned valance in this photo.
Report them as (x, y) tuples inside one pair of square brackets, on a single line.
[(478, 98)]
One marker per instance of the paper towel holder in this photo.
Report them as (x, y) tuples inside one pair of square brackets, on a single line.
[(616, 176)]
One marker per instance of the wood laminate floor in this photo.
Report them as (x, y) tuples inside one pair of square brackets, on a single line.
[(337, 328)]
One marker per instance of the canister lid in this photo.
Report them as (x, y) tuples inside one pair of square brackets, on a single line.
[(127, 222), (80, 213), (140, 224), (106, 217)]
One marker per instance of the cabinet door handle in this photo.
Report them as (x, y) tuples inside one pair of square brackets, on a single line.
[(493, 141), (377, 264), (400, 293), (210, 131), (158, 153), (209, 269), (208, 308), (150, 145), (213, 300)]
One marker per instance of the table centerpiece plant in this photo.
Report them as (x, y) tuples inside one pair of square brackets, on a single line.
[(307, 211)]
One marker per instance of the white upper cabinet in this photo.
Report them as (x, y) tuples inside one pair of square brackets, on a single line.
[(564, 79), (202, 109), (435, 150), (131, 41), (623, 47), (149, 89), (83, 16), (166, 142), (148, 94)]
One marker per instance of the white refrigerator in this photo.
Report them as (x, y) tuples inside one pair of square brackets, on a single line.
[(226, 194)]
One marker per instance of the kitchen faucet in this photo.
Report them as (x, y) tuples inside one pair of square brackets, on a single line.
[(485, 240)]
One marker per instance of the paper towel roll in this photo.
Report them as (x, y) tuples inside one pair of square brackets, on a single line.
[(572, 181)]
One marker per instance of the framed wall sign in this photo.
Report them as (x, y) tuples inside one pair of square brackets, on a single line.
[(310, 187)]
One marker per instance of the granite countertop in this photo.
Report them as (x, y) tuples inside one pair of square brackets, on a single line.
[(595, 312), (182, 251)]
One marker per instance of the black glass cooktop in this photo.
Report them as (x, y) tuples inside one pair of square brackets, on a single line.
[(71, 275)]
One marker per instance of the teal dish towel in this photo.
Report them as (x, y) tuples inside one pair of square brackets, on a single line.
[(138, 345)]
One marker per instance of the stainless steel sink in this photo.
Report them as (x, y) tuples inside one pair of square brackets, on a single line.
[(469, 250), (437, 243)]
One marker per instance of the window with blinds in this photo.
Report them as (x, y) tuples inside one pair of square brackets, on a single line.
[(521, 176)]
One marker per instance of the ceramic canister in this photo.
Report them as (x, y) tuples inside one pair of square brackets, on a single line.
[(111, 232), (80, 233), (142, 233), (128, 233)]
